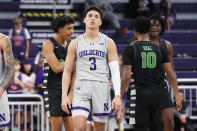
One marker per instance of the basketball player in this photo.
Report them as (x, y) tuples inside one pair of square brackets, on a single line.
[(147, 61), (158, 29), (54, 53), (94, 53), (6, 76)]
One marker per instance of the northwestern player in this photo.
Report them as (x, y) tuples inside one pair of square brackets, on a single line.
[(6, 76), (54, 53), (94, 53), (147, 61)]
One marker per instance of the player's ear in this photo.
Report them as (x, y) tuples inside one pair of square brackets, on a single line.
[(84, 20), (59, 30)]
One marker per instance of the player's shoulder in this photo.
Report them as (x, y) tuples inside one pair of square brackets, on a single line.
[(164, 41), (2, 36), (168, 42), (75, 40), (109, 40), (47, 43), (73, 43), (4, 41), (132, 43)]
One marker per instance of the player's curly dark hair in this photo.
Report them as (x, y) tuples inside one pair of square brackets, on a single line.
[(161, 20), (61, 21), (142, 25), (95, 8)]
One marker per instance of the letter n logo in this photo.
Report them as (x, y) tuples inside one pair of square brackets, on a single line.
[(2, 117), (106, 107)]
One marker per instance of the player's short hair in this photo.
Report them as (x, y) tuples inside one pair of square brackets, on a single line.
[(61, 21), (95, 8), (161, 20), (142, 25)]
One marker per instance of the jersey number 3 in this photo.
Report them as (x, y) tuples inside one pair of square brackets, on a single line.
[(93, 63), (148, 59)]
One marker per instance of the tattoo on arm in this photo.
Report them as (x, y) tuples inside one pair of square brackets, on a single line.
[(9, 64)]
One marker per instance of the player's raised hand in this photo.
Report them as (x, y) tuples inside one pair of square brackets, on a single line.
[(66, 103), (116, 103)]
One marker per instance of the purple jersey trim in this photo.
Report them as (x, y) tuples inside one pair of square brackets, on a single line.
[(102, 114), (77, 46), (80, 108), (7, 124)]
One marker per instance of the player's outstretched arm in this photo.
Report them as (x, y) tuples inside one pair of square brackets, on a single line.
[(115, 73), (6, 47), (66, 79), (47, 49)]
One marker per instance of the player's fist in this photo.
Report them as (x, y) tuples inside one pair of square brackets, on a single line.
[(66, 104), (116, 103)]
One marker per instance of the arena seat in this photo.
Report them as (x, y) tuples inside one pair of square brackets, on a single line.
[(185, 7), (185, 63), (9, 6), (186, 74), (33, 50)]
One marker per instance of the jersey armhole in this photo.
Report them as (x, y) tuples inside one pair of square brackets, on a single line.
[(162, 43), (77, 45), (106, 43)]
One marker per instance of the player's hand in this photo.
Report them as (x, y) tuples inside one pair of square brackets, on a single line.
[(1, 92), (66, 103), (178, 102), (183, 118), (116, 103)]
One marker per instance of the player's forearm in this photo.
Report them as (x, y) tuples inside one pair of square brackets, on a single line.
[(59, 67), (173, 82), (71, 91), (72, 83), (115, 75), (66, 79), (124, 85), (8, 78)]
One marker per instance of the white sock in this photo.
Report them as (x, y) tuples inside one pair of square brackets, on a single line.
[(121, 126)]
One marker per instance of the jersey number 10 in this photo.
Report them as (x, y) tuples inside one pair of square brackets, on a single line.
[(148, 59)]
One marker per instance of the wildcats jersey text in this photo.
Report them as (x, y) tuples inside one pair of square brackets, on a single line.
[(92, 62)]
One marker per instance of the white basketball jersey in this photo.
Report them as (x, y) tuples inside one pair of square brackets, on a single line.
[(92, 61)]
